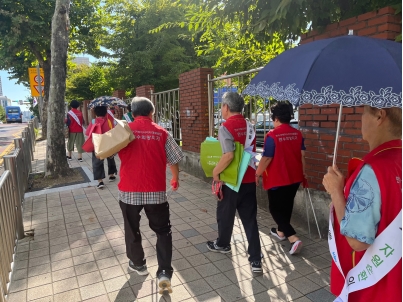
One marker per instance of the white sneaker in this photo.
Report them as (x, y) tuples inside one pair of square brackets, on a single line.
[(296, 247)]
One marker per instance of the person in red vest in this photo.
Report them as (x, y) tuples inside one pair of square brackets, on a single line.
[(282, 167), (74, 121), (235, 129), (142, 186), (366, 204), (98, 168)]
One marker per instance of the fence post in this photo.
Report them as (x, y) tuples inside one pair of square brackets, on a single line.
[(22, 178), (31, 128), (27, 143), (11, 165)]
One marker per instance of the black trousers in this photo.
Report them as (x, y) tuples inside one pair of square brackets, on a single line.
[(281, 203), (245, 202), (98, 167), (158, 216)]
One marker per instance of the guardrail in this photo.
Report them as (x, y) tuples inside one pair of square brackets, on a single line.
[(13, 183)]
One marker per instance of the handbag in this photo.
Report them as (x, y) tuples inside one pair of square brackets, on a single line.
[(111, 142), (88, 145)]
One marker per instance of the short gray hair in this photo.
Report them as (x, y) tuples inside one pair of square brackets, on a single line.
[(234, 101), (142, 106)]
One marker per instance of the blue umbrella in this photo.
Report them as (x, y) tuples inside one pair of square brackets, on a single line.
[(347, 70)]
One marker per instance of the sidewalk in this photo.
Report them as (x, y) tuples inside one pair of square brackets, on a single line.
[(78, 252)]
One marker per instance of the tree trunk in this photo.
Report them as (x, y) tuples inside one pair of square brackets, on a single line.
[(44, 118), (56, 163)]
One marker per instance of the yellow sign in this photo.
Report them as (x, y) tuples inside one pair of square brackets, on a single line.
[(34, 81)]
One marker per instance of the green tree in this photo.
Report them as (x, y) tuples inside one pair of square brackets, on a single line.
[(288, 18), (2, 114), (88, 82), (141, 57), (25, 36)]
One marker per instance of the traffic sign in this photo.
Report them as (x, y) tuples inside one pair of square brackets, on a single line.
[(34, 81)]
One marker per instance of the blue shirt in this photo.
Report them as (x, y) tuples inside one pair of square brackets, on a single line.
[(270, 147), (363, 208)]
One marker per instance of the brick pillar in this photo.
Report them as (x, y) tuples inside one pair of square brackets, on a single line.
[(194, 108), (318, 123), (121, 94), (145, 91), (86, 113)]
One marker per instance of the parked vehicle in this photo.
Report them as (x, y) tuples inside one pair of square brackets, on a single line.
[(13, 114), (263, 128)]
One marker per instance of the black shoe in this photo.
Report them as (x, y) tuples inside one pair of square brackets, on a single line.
[(68, 157), (212, 246), (256, 267), (80, 160), (141, 270), (100, 185), (164, 282), (112, 178)]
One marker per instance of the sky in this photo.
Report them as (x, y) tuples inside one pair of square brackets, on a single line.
[(11, 89)]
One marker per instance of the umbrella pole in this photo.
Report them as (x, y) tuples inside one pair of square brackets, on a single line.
[(336, 143), (307, 212), (313, 211)]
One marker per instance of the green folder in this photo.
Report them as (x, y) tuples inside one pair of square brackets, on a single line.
[(210, 154)]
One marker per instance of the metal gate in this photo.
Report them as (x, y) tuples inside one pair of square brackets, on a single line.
[(167, 111), (257, 109)]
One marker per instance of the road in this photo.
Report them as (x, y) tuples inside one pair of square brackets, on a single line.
[(7, 134)]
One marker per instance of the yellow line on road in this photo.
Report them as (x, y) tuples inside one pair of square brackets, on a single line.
[(8, 148)]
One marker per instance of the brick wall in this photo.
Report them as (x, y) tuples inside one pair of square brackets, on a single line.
[(318, 124), (121, 94), (194, 108), (383, 24), (145, 91)]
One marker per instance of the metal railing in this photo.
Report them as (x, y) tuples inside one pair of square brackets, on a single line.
[(167, 111), (13, 184), (256, 109)]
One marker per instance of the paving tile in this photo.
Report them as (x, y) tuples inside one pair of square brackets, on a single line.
[(107, 262), (321, 295), (103, 298), (188, 275), (39, 292), (230, 293), (83, 258), (20, 274), (180, 264), (58, 265), (198, 259), (304, 285), (251, 287), (20, 296), (188, 251), (85, 268), (95, 232), (218, 281), (321, 278), (60, 256), (209, 297), (39, 261), (81, 250), (112, 272), (116, 283), (18, 285), (285, 291), (202, 247), (238, 274), (38, 253), (225, 265), (124, 295), (198, 287), (39, 280), (63, 274), (65, 285), (90, 278), (92, 290), (39, 270), (189, 233)]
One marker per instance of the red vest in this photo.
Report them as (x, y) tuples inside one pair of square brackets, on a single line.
[(286, 165), (143, 161), (236, 125), (74, 127), (386, 161)]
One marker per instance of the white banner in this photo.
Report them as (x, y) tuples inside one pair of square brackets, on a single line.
[(379, 259)]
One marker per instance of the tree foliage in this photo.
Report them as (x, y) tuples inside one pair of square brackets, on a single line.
[(88, 82), (2, 114), (288, 18)]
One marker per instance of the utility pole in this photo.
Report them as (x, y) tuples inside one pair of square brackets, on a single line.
[(38, 71)]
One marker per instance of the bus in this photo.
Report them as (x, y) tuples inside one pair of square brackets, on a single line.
[(13, 114)]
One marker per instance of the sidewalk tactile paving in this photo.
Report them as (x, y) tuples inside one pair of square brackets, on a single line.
[(79, 254)]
